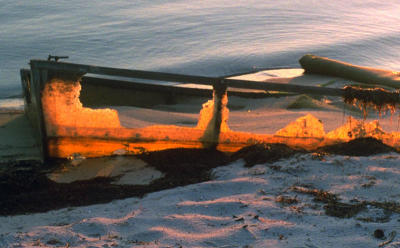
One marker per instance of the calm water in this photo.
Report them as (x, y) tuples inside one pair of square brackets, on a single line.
[(204, 37)]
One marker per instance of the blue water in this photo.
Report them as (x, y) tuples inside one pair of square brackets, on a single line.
[(200, 37)]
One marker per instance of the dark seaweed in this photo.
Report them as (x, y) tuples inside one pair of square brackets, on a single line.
[(358, 147), (24, 187), (264, 153), (377, 98)]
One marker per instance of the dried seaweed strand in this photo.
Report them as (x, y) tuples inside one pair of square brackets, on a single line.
[(380, 99)]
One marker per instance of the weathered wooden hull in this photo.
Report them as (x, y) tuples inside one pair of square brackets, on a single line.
[(63, 107), (69, 109)]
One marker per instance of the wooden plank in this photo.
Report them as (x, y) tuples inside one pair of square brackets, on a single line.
[(17, 141), (268, 86), (112, 83), (132, 86), (170, 77), (33, 106), (160, 76)]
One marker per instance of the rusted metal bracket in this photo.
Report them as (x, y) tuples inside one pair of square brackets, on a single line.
[(56, 58)]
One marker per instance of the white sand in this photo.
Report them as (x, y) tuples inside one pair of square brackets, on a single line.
[(236, 209)]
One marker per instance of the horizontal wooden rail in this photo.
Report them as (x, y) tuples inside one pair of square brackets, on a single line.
[(171, 77), (269, 86), (160, 76)]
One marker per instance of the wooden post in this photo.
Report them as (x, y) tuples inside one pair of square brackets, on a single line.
[(219, 91), (34, 109), (219, 88)]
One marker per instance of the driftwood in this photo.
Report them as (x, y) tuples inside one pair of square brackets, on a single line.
[(390, 239), (330, 67)]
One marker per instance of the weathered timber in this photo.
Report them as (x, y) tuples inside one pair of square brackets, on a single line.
[(72, 138), (269, 86), (31, 85), (160, 76), (170, 77), (330, 67)]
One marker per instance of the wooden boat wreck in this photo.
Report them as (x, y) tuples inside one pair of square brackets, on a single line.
[(92, 111)]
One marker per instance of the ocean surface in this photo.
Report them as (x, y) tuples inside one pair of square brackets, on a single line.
[(199, 37)]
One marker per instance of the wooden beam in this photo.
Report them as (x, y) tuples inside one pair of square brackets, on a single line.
[(159, 76), (170, 77), (32, 85), (269, 86), (336, 68)]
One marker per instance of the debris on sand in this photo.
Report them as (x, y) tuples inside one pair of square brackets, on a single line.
[(392, 235), (25, 188), (343, 210), (195, 164), (319, 195), (379, 234), (332, 205), (358, 147), (286, 200), (380, 99), (264, 153)]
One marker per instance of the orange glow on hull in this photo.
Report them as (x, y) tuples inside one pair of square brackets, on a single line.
[(74, 129)]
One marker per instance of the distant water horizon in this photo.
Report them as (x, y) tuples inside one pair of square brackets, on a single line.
[(210, 37)]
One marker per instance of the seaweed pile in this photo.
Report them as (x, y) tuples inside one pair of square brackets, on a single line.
[(24, 187), (379, 99), (264, 153), (365, 146)]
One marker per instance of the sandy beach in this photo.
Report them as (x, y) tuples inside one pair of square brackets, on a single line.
[(297, 163), (264, 195), (302, 201)]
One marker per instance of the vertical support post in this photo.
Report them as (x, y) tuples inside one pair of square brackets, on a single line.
[(26, 87), (211, 134), (219, 93), (34, 109)]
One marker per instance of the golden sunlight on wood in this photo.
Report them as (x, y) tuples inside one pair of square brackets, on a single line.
[(62, 108), (74, 129)]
